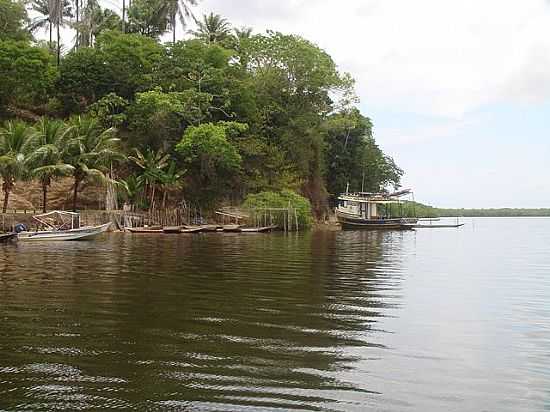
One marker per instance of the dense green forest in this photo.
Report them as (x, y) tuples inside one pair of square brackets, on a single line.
[(223, 114)]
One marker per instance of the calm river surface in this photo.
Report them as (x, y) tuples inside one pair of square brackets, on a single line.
[(432, 320)]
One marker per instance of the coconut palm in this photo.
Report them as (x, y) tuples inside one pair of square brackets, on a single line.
[(58, 10), (212, 29), (45, 161), (148, 17), (93, 20), (15, 142), (179, 9), (90, 150), (46, 19), (152, 165), (170, 179)]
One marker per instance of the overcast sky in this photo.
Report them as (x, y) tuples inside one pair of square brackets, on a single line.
[(458, 90)]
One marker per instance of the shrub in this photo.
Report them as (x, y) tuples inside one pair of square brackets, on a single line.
[(283, 199)]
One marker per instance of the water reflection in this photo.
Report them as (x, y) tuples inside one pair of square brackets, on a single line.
[(209, 322)]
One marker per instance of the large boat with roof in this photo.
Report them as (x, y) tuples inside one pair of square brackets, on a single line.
[(60, 225), (374, 211)]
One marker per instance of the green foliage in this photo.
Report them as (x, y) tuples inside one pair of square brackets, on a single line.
[(213, 28), (157, 119), (15, 144), (283, 199), (110, 110), (45, 160), (245, 113), (83, 79), (156, 170), (148, 17), (353, 157), (27, 73), (208, 146), (211, 158), (129, 61), (90, 150), (13, 19), (93, 21)]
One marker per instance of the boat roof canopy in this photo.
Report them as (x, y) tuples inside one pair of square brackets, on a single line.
[(57, 213), (57, 219), (370, 197)]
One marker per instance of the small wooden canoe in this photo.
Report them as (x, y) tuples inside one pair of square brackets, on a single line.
[(262, 229), (144, 230), (172, 229), (209, 228), (436, 226), (232, 228), (191, 230)]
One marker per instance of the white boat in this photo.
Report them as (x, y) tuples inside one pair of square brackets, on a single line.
[(361, 211), (61, 225)]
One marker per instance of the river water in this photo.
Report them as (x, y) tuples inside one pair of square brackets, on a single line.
[(427, 320)]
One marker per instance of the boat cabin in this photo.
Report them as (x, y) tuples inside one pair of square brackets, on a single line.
[(365, 205)]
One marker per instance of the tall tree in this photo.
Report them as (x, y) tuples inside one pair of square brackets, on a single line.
[(152, 165), (13, 19), (27, 74), (213, 28), (45, 160), (90, 150), (58, 10), (148, 17), (179, 9), (94, 20), (15, 142), (45, 19)]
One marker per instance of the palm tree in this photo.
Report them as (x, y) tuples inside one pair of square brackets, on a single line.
[(152, 165), (58, 10), (90, 150), (45, 162), (212, 29), (242, 38), (181, 9), (15, 140), (170, 179), (45, 20), (93, 20)]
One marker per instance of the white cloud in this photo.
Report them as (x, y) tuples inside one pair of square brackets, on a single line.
[(436, 57)]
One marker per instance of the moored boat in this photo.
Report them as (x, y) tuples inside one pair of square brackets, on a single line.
[(363, 211), (7, 237), (152, 229), (262, 229), (61, 225)]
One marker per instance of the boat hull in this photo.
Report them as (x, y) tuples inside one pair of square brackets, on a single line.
[(7, 237), (84, 233), (349, 222)]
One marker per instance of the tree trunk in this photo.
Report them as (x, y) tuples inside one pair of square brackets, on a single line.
[(75, 193), (51, 39), (44, 196), (123, 16), (7, 186), (153, 198), (6, 198), (77, 21), (58, 45), (174, 28)]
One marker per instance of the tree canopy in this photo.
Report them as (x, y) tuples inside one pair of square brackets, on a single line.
[(236, 112)]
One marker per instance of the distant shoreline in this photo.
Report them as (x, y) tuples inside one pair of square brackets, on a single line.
[(429, 211)]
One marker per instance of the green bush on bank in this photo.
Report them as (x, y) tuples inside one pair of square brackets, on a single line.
[(282, 200)]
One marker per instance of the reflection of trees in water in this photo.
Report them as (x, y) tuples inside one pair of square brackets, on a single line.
[(260, 320)]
